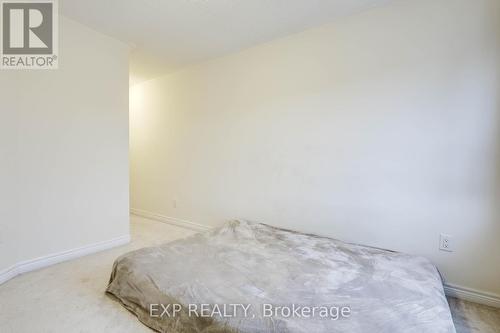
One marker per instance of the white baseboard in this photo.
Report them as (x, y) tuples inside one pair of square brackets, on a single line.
[(170, 220), (472, 295), (34, 264)]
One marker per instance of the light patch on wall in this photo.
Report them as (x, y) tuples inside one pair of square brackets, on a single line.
[(136, 111)]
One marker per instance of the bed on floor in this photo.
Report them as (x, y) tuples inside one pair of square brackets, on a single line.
[(205, 282)]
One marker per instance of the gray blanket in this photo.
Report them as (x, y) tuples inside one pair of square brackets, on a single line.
[(246, 277)]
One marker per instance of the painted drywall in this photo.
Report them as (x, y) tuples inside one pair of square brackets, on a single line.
[(380, 129), (64, 149)]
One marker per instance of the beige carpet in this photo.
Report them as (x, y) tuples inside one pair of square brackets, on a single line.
[(471, 318), (69, 297)]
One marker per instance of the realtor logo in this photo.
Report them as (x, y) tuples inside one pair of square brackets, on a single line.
[(29, 34)]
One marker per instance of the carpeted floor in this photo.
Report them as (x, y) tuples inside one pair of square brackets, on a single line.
[(69, 297), (471, 317)]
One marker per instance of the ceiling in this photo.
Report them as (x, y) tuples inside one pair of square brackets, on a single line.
[(168, 34)]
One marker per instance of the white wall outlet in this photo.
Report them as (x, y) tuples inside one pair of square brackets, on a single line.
[(446, 243)]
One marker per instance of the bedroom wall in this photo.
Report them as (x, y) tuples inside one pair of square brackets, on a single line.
[(64, 149), (381, 129)]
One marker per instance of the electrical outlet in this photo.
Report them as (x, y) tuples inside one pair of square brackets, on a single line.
[(446, 243)]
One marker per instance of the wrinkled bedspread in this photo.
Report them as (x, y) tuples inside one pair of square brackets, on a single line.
[(265, 268)]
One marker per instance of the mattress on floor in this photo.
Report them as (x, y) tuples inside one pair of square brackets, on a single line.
[(268, 270)]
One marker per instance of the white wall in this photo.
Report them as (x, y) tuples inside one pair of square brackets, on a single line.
[(381, 129), (64, 149)]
